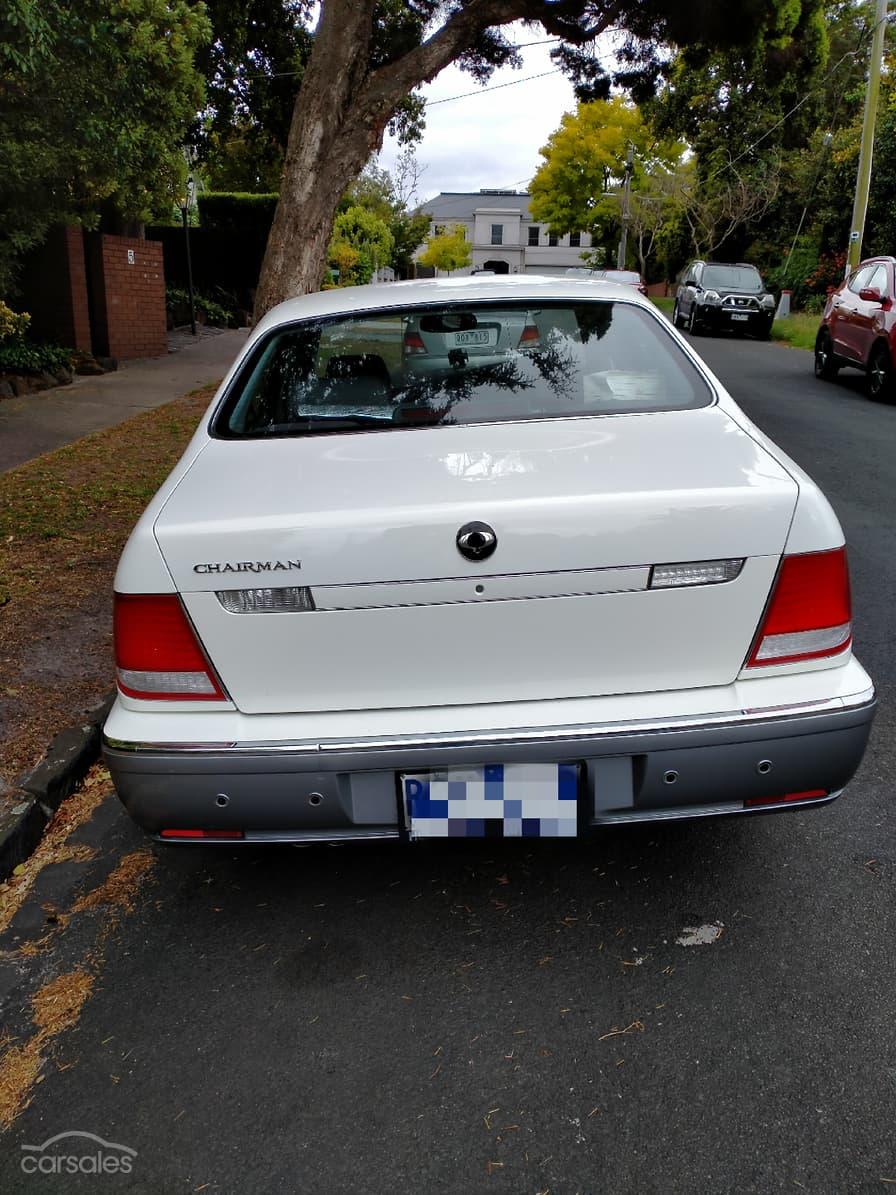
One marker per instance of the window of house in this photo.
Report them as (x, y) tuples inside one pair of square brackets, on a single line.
[(497, 234), (553, 240), (534, 233), (575, 240)]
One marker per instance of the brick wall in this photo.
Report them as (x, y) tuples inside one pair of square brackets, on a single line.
[(54, 286), (127, 286)]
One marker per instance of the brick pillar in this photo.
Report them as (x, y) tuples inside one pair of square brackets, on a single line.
[(127, 278), (54, 290)]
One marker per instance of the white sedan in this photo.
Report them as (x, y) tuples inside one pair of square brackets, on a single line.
[(533, 591)]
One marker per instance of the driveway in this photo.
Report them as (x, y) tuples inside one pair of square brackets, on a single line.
[(680, 1008)]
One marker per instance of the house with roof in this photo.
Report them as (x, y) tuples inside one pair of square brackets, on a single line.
[(503, 235)]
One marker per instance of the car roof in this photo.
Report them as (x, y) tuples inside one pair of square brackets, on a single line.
[(538, 287)]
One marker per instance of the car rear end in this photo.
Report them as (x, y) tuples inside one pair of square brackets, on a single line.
[(313, 644)]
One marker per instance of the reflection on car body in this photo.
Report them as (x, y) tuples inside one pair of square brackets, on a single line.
[(547, 577)]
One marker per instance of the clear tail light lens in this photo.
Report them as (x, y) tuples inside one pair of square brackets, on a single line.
[(413, 344), (157, 654), (266, 601), (530, 337), (809, 614)]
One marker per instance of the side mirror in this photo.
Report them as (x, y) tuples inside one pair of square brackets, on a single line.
[(870, 294)]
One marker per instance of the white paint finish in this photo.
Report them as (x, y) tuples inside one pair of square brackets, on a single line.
[(580, 494), (480, 588), (701, 935), (169, 722), (597, 492), (470, 653)]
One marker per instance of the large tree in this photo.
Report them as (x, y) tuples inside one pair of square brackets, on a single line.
[(95, 100), (578, 186), (369, 56)]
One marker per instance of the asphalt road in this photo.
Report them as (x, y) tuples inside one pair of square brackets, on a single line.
[(501, 1018)]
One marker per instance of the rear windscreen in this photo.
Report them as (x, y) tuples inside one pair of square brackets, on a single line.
[(459, 364)]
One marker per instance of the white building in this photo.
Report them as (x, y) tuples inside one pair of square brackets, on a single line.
[(502, 233)]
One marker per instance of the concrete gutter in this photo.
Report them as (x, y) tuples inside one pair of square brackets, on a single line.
[(38, 794)]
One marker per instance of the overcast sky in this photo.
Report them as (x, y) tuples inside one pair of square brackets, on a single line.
[(491, 138)]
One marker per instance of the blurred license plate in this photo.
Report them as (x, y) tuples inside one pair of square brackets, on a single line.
[(739, 315), (496, 801), (485, 336)]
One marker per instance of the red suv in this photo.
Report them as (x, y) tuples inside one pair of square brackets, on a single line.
[(859, 328)]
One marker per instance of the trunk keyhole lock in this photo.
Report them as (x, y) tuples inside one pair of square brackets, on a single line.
[(670, 777), (221, 800), (764, 767), (315, 799)]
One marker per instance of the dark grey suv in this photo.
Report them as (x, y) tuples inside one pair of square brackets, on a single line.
[(717, 296)]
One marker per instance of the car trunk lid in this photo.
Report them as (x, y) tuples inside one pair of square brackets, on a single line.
[(581, 508)]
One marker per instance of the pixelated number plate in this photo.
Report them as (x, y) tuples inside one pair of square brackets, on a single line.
[(498, 801)]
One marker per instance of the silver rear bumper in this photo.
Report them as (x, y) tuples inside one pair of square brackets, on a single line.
[(301, 792)]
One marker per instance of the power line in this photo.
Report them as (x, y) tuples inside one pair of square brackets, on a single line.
[(495, 87)]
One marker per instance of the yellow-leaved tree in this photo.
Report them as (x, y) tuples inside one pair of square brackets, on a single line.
[(447, 250), (578, 187)]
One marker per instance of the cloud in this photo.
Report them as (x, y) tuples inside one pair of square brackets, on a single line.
[(490, 138)]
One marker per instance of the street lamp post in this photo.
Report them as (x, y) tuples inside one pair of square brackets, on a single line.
[(185, 212)]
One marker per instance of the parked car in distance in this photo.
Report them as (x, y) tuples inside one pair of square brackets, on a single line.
[(723, 297), (858, 328), (562, 585), (626, 277)]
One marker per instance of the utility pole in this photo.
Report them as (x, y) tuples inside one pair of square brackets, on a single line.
[(626, 193), (863, 178)]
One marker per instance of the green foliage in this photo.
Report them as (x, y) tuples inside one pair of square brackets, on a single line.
[(578, 186), (253, 66), (237, 212), (575, 187), (13, 324), (18, 355), (447, 250), (177, 301), (378, 192), (95, 100), (360, 244)]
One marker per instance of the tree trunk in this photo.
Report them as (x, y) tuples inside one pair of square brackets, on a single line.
[(339, 120), (324, 154)]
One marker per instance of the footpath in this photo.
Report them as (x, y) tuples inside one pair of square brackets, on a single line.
[(38, 423)]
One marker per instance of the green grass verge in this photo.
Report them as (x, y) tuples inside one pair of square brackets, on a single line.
[(665, 305), (798, 330)]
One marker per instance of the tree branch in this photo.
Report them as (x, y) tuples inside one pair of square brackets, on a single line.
[(460, 32)]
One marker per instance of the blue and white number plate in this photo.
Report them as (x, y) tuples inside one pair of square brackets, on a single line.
[(496, 801)]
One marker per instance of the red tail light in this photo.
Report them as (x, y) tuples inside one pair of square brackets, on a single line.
[(157, 654), (530, 337), (413, 343), (192, 834), (810, 794), (809, 614)]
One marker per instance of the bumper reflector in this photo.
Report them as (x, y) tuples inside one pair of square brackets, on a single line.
[(808, 795), (266, 601), (192, 834), (702, 572)]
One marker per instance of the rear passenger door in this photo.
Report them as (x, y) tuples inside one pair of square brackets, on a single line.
[(868, 316), (687, 290), (844, 330)]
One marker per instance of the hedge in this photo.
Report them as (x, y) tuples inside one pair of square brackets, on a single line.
[(237, 211)]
